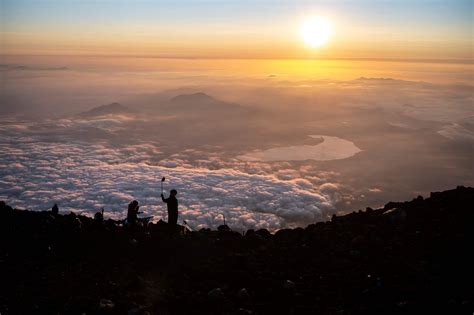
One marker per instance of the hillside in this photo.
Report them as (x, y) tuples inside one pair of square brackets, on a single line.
[(406, 258)]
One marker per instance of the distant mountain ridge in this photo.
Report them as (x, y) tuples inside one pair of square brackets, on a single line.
[(198, 101), (104, 110), (188, 105), (197, 105), (194, 97)]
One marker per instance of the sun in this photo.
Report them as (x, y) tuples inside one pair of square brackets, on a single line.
[(316, 31)]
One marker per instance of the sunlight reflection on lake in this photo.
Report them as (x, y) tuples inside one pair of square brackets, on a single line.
[(332, 148)]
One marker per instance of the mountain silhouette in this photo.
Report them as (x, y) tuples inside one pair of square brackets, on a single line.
[(198, 97), (195, 105), (409, 257), (105, 110), (202, 106)]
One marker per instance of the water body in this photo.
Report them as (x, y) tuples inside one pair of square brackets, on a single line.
[(332, 148)]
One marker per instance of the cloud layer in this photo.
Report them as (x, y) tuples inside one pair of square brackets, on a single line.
[(84, 177)]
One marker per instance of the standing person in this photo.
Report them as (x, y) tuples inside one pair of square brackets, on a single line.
[(132, 212), (55, 209), (172, 203)]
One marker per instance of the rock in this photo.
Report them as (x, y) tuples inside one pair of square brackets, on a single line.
[(264, 233), (158, 274), (243, 294), (134, 311), (250, 232), (358, 240), (242, 311), (289, 285), (106, 304), (216, 294), (223, 228)]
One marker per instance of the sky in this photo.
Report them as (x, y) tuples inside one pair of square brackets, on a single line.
[(260, 29), (234, 106)]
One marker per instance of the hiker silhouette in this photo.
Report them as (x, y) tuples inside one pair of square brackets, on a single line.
[(172, 203), (55, 209), (132, 212)]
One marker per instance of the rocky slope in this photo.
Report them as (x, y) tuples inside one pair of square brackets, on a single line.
[(407, 258)]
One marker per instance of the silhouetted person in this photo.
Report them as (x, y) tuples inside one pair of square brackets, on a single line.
[(55, 209), (132, 212), (99, 217), (172, 203)]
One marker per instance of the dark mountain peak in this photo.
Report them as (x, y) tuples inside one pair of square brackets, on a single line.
[(198, 104), (109, 109), (194, 97), (113, 106)]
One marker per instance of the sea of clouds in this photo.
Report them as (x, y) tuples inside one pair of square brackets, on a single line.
[(37, 171)]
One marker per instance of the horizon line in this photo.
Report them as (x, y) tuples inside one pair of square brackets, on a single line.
[(170, 57)]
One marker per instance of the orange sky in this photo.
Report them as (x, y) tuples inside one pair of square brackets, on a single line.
[(418, 29)]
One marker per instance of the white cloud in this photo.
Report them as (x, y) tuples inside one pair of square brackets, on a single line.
[(83, 178), (458, 131)]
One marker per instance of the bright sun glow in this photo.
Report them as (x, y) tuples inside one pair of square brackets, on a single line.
[(316, 31)]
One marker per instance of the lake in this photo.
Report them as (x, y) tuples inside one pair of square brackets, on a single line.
[(332, 148)]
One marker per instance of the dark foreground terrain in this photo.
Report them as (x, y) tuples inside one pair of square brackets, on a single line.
[(412, 257)]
